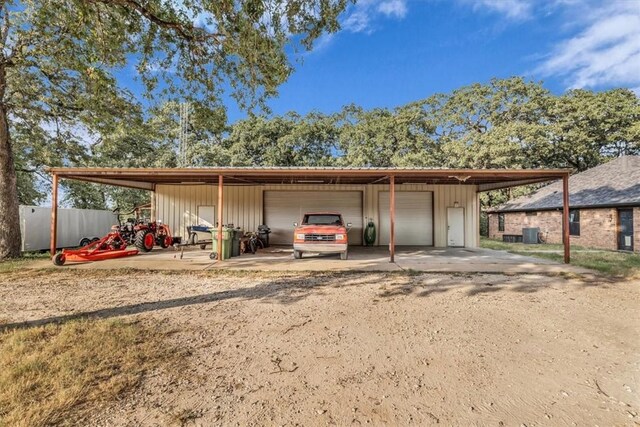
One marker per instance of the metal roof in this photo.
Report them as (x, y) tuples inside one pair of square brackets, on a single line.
[(615, 183), (148, 178)]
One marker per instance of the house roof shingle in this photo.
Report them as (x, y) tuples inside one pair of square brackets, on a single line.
[(615, 183)]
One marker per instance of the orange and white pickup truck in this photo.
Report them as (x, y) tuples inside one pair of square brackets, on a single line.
[(323, 232)]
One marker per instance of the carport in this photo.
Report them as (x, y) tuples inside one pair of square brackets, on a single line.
[(258, 180)]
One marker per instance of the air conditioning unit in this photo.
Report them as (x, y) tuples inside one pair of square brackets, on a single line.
[(530, 235)]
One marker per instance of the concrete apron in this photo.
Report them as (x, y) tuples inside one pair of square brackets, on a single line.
[(442, 260)]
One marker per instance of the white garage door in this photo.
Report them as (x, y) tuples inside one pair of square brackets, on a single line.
[(283, 208), (414, 218)]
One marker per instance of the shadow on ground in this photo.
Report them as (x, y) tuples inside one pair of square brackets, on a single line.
[(289, 290)]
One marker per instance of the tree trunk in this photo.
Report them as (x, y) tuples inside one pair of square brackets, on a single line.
[(10, 239)]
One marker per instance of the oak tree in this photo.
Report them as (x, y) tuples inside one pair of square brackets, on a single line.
[(59, 60)]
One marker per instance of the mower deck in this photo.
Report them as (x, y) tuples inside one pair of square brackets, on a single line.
[(109, 247)]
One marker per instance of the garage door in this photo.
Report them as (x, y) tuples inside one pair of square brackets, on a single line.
[(283, 208), (414, 218)]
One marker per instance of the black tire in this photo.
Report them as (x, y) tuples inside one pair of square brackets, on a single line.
[(141, 238), (95, 239), (252, 246), (297, 254), (84, 242), (213, 255), (59, 259), (165, 242), (203, 247), (260, 244)]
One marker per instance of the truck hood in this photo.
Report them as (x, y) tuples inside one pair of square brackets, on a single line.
[(321, 229)]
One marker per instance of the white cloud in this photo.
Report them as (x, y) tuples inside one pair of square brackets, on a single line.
[(361, 17), (604, 52), (512, 9), (603, 48), (395, 8), (357, 22), (323, 42)]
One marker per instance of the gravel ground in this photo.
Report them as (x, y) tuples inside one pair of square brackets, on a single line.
[(368, 348)]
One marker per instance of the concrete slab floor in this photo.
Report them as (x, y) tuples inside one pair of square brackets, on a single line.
[(280, 258)]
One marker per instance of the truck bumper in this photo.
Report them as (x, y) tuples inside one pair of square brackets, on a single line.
[(320, 247)]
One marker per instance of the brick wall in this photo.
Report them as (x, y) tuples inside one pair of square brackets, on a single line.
[(636, 229), (597, 226)]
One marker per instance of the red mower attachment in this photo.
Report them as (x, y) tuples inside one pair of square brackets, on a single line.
[(110, 246)]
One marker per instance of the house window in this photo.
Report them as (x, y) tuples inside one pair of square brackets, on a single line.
[(574, 222), (500, 222)]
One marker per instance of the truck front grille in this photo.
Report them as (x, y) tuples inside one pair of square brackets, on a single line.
[(319, 237)]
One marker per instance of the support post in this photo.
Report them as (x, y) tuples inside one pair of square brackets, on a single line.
[(153, 204), (565, 219), (392, 216), (220, 201), (54, 216)]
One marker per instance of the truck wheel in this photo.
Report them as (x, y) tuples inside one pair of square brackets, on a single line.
[(144, 240), (84, 242), (344, 255), (59, 259), (203, 247), (213, 255), (297, 254)]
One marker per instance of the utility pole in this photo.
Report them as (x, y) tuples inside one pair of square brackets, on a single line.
[(183, 148)]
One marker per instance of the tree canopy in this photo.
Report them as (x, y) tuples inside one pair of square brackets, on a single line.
[(508, 123), (60, 101)]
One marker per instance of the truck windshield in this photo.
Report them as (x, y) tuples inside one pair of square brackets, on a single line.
[(322, 219)]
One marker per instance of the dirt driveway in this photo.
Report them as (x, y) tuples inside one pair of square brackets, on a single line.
[(365, 348)]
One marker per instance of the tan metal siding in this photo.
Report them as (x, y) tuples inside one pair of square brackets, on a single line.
[(282, 208), (244, 204), (443, 197), (414, 218)]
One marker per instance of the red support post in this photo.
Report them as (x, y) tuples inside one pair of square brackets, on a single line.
[(565, 219), (220, 201), (153, 204), (54, 216), (392, 216)]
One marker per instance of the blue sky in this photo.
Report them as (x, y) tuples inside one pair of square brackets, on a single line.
[(390, 52)]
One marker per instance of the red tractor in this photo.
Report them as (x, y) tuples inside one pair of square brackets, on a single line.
[(153, 233), (145, 234)]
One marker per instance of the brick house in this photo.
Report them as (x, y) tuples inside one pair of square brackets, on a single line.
[(604, 202)]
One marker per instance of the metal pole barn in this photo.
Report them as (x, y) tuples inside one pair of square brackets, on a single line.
[(220, 201), (392, 216)]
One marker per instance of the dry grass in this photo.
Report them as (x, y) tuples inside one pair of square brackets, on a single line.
[(54, 375)]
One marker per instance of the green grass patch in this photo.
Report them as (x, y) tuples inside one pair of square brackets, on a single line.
[(502, 246), (56, 374), (618, 264), (14, 264)]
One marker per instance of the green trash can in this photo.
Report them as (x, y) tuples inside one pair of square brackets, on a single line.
[(235, 242), (226, 243)]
